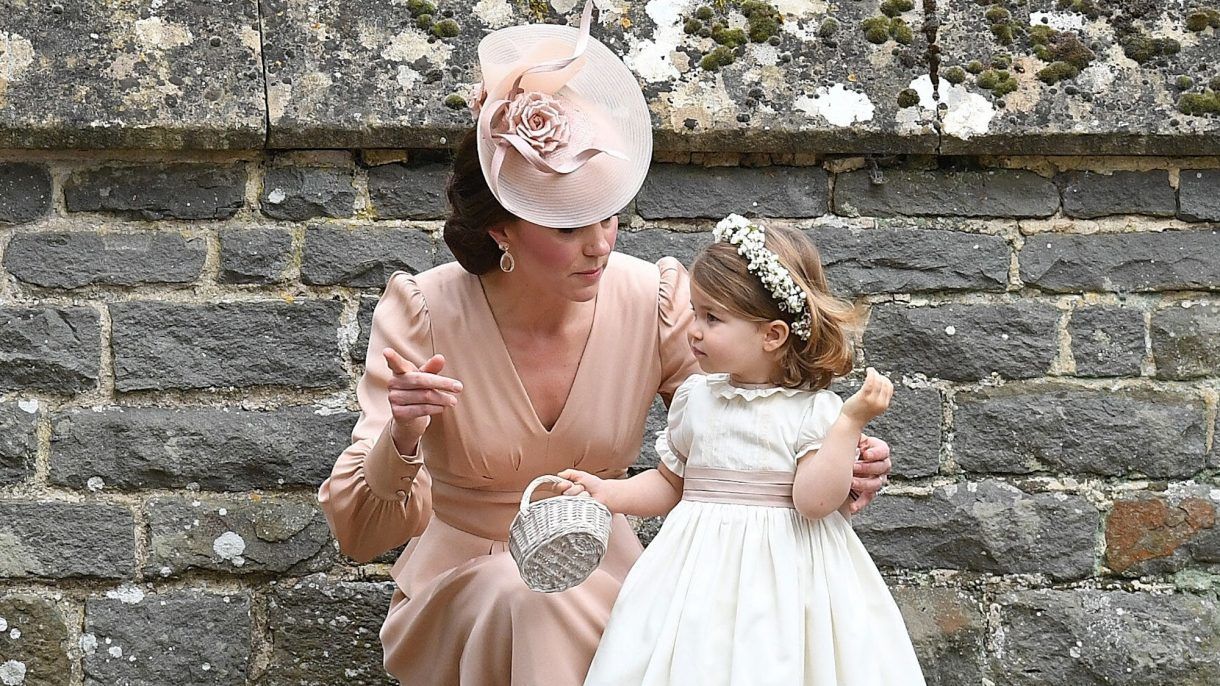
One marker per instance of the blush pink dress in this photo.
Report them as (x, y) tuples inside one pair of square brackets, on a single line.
[(460, 613)]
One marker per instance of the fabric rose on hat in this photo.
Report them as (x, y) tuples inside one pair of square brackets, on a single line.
[(540, 120)]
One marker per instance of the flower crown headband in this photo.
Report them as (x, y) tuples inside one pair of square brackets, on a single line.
[(750, 240)]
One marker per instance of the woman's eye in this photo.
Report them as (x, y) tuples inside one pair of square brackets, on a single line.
[(567, 231), (712, 318)]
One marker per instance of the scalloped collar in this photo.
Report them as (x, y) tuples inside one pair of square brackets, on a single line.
[(722, 387)]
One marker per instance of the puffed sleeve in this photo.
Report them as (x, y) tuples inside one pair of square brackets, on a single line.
[(673, 316), (821, 412), (376, 498), (674, 441)]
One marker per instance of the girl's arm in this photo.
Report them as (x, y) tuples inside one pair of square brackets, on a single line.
[(648, 494), (823, 478)]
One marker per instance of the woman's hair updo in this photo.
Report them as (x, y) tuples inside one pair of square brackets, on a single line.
[(473, 211)]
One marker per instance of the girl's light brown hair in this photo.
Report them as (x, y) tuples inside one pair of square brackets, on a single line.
[(722, 275)]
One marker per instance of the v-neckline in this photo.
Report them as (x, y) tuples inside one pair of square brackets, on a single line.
[(508, 358)]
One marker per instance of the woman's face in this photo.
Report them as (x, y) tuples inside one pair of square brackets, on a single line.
[(567, 262)]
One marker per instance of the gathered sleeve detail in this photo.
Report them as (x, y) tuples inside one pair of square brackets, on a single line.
[(673, 317), (376, 498), (822, 411), (674, 441)]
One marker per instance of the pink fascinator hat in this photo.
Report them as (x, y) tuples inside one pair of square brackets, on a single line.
[(564, 134)]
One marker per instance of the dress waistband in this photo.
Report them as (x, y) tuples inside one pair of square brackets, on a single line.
[(483, 513), (737, 486)]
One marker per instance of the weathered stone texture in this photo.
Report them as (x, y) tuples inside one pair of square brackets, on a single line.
[(963, 342), (1184, 340), (653, 244), (175, 637), (1199, 195), (219, 450), (236, 536), (58, 540), (1151, 533), (1016, 430), (174, 191), (174, 74), (325, 632), (402, 191), (910, 260), (948, 628), (254, 256), (994, 193), (364, 258), (986, 527), (49, 348), (18, 441), (672, 191), (911, 426), (1107, 341), (1106, 637), (1088, 195), (75, 259), (33, 638), (364, 319), (25, 192), (300, 193), (159, 345), (1124, 262)]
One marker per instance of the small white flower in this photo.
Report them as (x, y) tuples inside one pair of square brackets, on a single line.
[(750, 240)]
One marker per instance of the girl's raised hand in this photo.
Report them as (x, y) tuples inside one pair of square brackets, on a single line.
[(417, 393), (871, 400)]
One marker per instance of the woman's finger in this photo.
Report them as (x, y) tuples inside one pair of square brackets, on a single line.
[(421, 380), (419, 397), (397, 363), (576, 489), (405, 413), (874, 469), (867, 486)]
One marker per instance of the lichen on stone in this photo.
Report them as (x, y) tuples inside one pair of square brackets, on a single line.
[(1200, 104), (446, 28), (1201, 18), (893, 8), (828, 28), (999, 81), (1056, 72), (956, 75), (908, 97), (455, 101), (1184, 83)]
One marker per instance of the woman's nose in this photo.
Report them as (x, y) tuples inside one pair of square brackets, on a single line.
[(602, 238)]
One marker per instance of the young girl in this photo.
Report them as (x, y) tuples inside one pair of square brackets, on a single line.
[(756, 577)]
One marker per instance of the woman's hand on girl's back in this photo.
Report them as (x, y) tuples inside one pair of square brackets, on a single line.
[(871, 399), (417, 393)]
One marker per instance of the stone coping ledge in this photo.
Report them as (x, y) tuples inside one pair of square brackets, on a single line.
[(894, 76)]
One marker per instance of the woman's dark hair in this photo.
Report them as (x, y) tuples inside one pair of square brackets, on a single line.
[(473, 211)]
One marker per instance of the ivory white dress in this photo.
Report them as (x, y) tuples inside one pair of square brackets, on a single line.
[(738, 588)]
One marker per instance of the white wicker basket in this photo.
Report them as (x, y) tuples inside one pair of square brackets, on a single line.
[(559, 541)]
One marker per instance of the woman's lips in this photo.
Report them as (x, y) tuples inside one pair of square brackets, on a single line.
[(591, 274)]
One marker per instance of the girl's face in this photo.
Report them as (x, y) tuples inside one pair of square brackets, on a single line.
[(724, 343), (565, 262)]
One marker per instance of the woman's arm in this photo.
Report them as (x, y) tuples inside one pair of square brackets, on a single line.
[(651, 493), (824, 478)]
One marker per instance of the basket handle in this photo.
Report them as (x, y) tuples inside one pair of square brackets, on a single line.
[(529, 490)]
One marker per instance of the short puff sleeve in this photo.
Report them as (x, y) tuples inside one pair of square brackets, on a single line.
[(823, 409), (674, 442)]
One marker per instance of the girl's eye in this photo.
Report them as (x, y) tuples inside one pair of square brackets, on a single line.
[(712, 318)]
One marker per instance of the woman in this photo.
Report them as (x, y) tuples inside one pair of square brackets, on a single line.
[(539, 350)]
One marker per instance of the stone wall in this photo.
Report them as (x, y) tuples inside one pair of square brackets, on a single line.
[(182, 336), (200, 201)]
